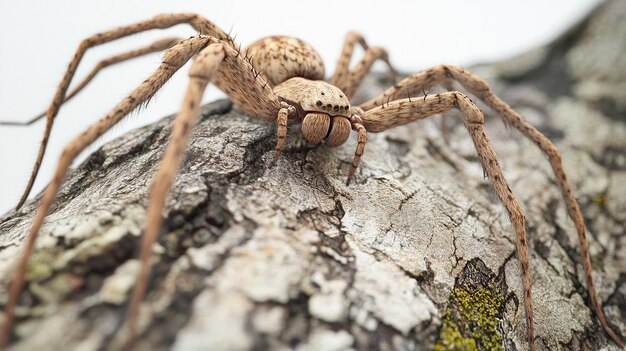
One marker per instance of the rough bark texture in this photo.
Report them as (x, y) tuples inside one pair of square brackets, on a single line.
[(288, 257)]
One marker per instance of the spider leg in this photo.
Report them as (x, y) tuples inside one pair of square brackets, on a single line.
[(357, 125), (158, 45), (281, 132), (348, 80), (200, 74), (404, 111), (343, 65), (173, 59), (233, 73), (247, 88), (350, 84), (480, 88), (200, 24)]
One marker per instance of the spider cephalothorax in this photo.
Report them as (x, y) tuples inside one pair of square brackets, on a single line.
[(323, 109), (278, 79)]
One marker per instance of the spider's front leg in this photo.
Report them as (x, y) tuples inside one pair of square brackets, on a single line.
[(200, 75), (357, 125), (281, 129), (234, 74), (404, 111)]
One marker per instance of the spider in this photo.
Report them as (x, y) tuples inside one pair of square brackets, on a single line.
[(279, 79)]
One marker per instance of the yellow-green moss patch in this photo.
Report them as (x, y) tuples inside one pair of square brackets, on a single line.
[(471, 320)]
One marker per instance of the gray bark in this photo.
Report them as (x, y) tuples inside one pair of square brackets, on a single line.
[(288, 257)]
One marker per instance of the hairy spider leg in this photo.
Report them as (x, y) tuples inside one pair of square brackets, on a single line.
[(480, 88), (200, 24), (233, 73), (201, 73), (173, 59), (281, 130), (401, 112), (357, 125)]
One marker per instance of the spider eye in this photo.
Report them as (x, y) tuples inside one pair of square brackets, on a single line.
[(319, 103), (336, 108), (347, 107), (329, 106)]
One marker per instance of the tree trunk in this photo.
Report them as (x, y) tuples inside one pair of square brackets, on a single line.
[(416, 254)]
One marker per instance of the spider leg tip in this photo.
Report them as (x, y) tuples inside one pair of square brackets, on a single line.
[(19, 205), (273, 161)]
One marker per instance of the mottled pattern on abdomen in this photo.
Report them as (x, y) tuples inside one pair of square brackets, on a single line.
[(281, 57)]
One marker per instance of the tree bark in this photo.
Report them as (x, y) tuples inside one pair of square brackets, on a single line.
[(416, 254)]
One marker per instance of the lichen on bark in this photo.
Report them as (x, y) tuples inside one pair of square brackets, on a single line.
[(474, 313)]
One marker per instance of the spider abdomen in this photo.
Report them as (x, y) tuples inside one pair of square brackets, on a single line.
[(281, 57)]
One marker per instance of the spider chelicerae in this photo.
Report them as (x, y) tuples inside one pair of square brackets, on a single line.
[(278, 79)]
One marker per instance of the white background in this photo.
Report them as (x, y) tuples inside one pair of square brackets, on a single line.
[(38, 38)]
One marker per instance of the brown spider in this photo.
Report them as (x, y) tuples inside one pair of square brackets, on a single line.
[(279, 79)]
